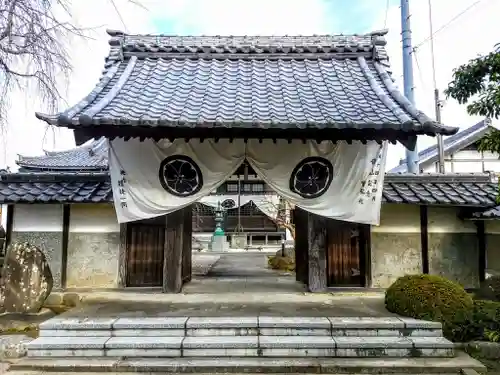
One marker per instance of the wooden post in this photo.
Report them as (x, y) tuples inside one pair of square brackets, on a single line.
[(301, 245), (481, 241), (317, 241), (172, 253), (187, 250), (122, 257)]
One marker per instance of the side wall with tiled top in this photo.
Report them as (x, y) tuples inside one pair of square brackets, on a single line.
[(41, 225), (396, 248), (453, 246), (395, 244), (492, 230), (93, 246)]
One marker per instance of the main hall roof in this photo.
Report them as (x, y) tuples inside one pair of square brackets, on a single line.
[(233, 84)]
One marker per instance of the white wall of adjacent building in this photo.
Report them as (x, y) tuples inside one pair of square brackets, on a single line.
[(468, 161)]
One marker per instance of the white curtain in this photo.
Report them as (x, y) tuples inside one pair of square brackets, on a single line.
[(340, 181), (354, 192), (147, 177), (268, 204)]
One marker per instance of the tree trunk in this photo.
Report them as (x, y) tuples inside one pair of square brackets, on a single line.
[(317, 241), (172, 254)]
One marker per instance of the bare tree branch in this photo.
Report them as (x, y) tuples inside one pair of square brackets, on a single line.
[(33, 49)]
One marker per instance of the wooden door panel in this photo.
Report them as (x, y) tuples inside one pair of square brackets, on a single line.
[(145, 255), (343, 254)]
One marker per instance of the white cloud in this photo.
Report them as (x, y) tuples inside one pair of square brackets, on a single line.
[(473, 33)]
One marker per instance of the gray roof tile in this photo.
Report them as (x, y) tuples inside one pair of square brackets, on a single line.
[(452, 144), (457, 190), (294, 82), (92, 155)]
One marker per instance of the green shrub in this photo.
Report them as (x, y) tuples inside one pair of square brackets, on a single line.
[(433, 298), (280, 263), (486, 320), (490, 289)]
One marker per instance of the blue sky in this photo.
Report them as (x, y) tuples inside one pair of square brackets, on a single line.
[(347, 16)]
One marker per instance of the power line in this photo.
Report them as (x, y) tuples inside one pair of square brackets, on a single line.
[(433, 58), (387, 3), (119, 15), (448, 23)]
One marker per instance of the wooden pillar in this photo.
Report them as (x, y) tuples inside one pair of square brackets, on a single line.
[(424, 239), (481, 242), (317, 242), (172, 253), (122, 256), (187, 245), (301, 246), (65, 243)]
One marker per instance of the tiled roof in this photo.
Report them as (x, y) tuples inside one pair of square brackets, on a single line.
[(491, 213), (91, 156), (55, 188), (237, 83), (452, 144), (462, 190)]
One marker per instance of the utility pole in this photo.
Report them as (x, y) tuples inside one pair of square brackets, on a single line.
[(411, 156), (437, 101)]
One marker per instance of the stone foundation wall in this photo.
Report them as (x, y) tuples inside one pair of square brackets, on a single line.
[(395, 244), (41, 225), (453, 246), (492, 230), (93, 247)]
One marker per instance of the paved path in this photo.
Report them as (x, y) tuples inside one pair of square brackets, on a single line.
[(243, 273)]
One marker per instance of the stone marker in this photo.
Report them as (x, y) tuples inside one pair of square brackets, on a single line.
[(13, 346), (26, 279)]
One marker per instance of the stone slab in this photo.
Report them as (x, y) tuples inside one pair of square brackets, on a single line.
[(296, 342), (373, 352), (144, 352), (220, 342), (221, 352), (78, 324), (144, 343), (295, 331), (150, 323), (222, 322), (147, 332), (293, 322), (298, 352), (63, 353), (254, 365), (75, 333), (366, 323), (373, 342), (222, 332), (431, 342), (364, 332), (67, 343), (418, 323)]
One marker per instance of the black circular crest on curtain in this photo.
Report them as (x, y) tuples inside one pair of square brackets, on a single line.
[(227, 204), (312, 177), (180, 176)]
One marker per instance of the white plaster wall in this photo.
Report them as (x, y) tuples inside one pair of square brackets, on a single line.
[(398, 218), (38, 218), (446, 220), (93, 218)]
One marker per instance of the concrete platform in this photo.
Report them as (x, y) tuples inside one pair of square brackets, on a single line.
[(254, 365)]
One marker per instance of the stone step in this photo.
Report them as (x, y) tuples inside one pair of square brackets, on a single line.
[(241, 346), (241, 326), (235, 365)]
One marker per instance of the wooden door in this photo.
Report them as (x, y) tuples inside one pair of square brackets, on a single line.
[(344, 255), (145, 243)]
